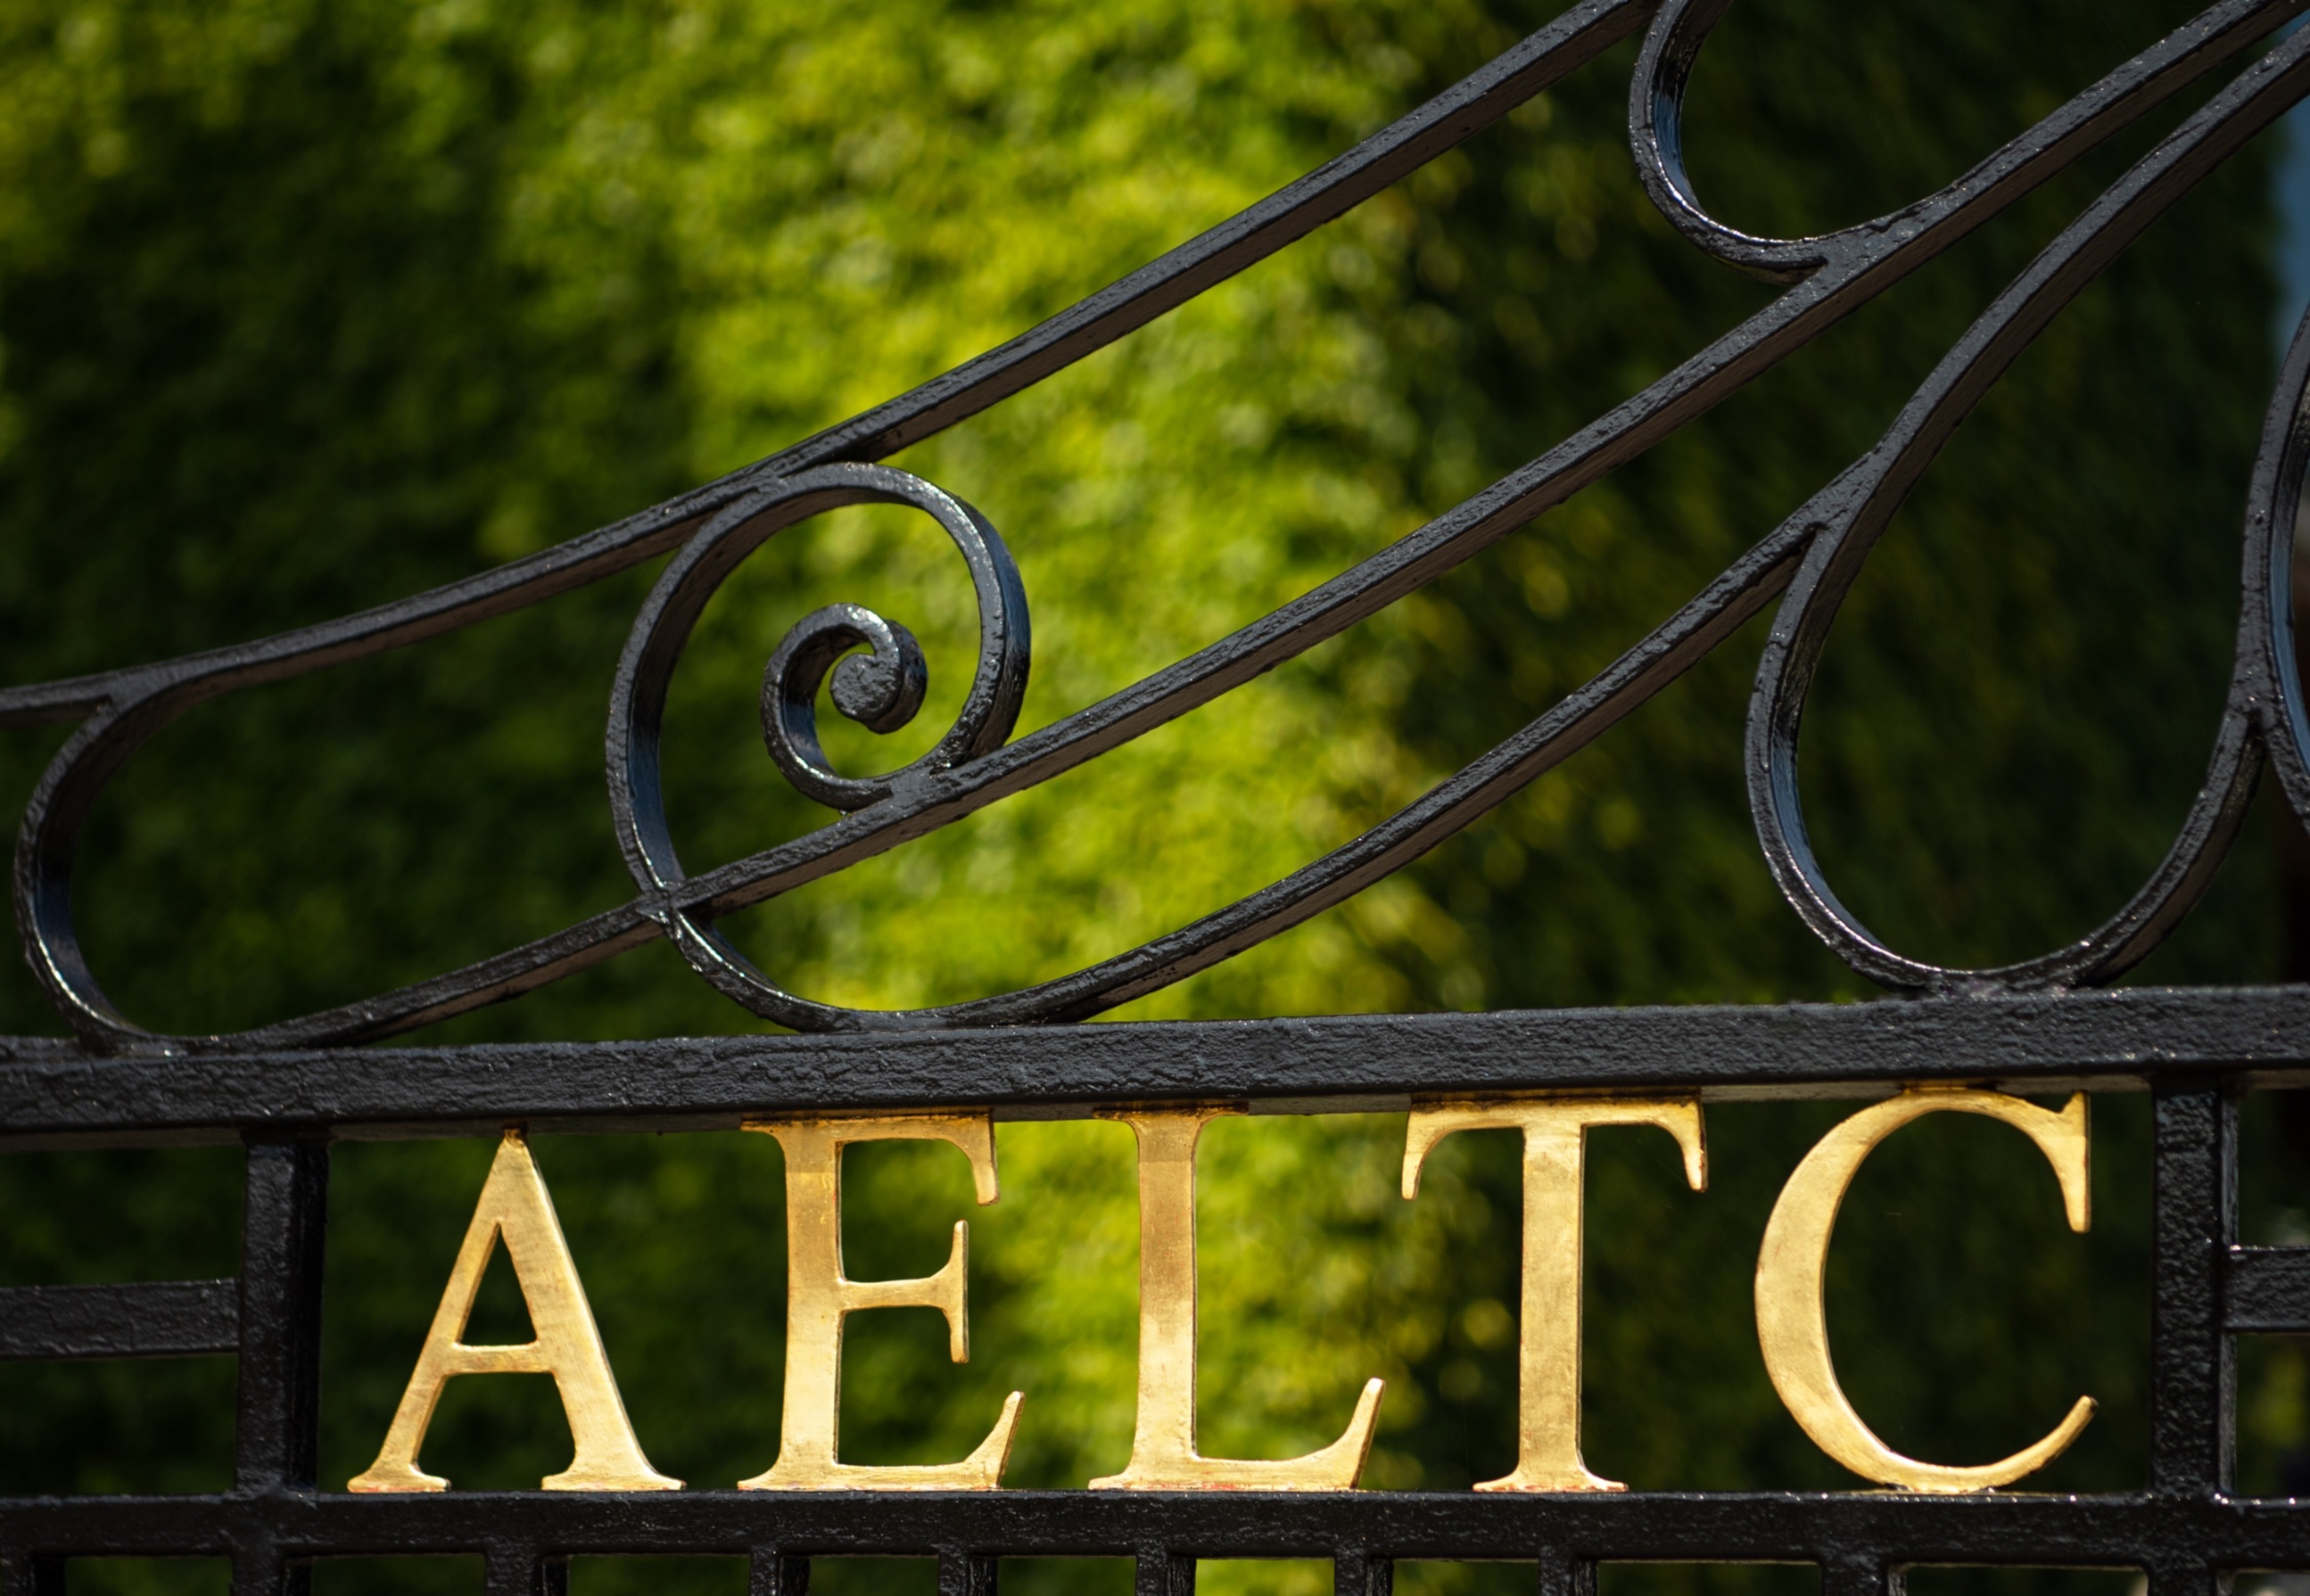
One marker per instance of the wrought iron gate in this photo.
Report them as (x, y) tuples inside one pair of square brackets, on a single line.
[(2194, 1050), (286, 1090)]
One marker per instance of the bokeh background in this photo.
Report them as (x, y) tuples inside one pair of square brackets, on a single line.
[(305, 307)]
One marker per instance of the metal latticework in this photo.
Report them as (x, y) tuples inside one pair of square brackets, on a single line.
[(286, 1090)]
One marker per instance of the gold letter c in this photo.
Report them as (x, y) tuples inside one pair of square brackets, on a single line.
[(1792, 1327)]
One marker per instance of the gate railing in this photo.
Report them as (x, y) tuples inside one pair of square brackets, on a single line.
[(285, 1090), (2195, 1050)]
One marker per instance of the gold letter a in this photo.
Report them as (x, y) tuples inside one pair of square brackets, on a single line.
[(514, 1205)]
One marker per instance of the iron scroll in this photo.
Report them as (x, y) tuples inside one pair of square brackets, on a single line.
[(1810, 562)]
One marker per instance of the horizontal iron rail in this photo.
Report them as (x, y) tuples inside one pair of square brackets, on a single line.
[(146, 1318), (1664, 1526), (2189, 1529), (53, 1095), (2267, 1290)]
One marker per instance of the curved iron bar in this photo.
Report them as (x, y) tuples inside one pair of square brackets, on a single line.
[(1832, 275), (1850, 515), (882, 689), (885, 687)]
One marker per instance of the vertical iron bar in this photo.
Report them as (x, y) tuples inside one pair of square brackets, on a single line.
[(2182, 1578), (284, 1222), (775, 1574), (1856, 1571), (1561, 1574), (2192, 1382), (260, 1571), (517, 1570), (1163, 1572), (1357, 1572), (963, 1573)]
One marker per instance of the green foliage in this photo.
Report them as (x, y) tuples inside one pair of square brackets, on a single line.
[(303, 308)]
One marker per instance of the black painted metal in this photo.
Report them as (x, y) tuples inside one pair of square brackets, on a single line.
[(284, 1092), (2187, 1528), (284, 1233), (150, 1319), (1563, 1572), (2105, 1040), (1809, 563), (518, 1568), (965, 1574), (1162, 1574), (2268, 1291), (1858, 1571), (775, 1574), (1356, 1571), (1845, 1531), (32, 1576), (2195, 1223)]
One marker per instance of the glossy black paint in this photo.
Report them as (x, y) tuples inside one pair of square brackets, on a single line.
[(285, 1091), (2194, 1052), (1812, 559), (2193, 1394), (284, 1223), (2266, 1291), (53, 1096), (1859, 1537), (150, 1319)]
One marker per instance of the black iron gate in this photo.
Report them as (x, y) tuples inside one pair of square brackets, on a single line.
[(287, 1090), (2194, 1050)]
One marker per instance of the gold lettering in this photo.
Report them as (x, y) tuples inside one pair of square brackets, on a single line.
[(1548, 1339), (819, 1298), (513, 1204), (1163, 1455), (1791, 1325)]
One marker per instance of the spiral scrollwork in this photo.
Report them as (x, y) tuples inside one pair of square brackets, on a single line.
[(876, 673), (881, 688)]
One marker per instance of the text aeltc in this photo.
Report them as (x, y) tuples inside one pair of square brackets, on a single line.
[(1791, 1325)]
